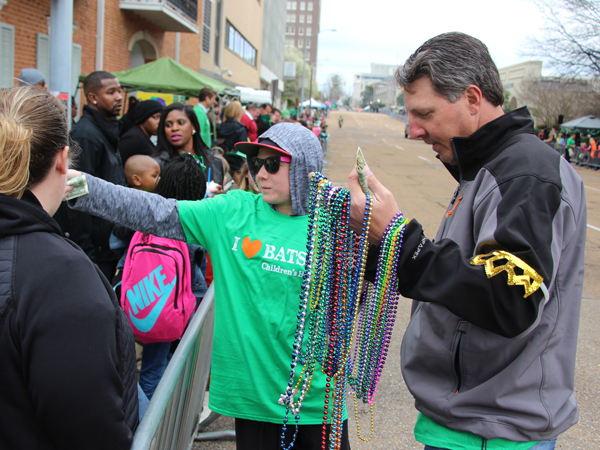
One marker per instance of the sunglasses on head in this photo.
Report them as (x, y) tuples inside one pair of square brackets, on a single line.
[(271, 163)]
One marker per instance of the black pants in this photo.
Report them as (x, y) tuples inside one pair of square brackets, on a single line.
[(254, 435)]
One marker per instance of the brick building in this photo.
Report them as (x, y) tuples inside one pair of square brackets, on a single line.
[(124, 38), (116, 35)]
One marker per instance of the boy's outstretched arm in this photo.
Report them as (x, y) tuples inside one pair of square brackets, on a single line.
[(131, 208)]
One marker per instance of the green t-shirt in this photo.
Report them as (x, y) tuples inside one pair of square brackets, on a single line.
[(570, 143), (258, 258), (429, 432)]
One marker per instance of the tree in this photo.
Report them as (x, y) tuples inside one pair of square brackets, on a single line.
[(333, 89), (547, 98), (293, 86), (347, 100), (367, 95), (400, 99), (510, 101), (569, 40)]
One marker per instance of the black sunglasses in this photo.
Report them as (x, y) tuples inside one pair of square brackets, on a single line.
[(271, 163)]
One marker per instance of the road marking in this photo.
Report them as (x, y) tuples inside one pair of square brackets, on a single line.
[(398, 147), (424, 159), (594, 189), (593, 227)]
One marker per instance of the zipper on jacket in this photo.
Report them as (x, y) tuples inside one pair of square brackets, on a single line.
[(457, 355)]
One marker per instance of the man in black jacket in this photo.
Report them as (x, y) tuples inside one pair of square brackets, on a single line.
[(489, 354), (97, 133)]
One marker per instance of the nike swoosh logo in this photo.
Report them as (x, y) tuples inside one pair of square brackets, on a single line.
[(144, 325)]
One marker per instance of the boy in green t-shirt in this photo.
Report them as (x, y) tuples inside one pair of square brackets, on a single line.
[(257, 245)]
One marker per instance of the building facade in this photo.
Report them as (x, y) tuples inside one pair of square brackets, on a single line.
[(222, 38), (379, 73), (232, 41), (273, 54)]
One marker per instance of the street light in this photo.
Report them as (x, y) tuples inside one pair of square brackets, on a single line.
[(301, 109)]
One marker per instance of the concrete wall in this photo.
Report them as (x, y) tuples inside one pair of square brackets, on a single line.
[(247, 17)]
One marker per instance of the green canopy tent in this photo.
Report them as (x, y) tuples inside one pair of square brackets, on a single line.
[(168, 77)]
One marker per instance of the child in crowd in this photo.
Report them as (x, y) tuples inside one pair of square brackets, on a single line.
[(142, 172), (257, 245)]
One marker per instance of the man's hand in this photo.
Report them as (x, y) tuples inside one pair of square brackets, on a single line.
[(384, 206)]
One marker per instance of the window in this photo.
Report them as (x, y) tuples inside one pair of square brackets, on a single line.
[(42, 55), (291, 18), (302, 6), (290, 30), (42, 58), (301, 31), (300, 43), (7, 55), (307, 57), (292, 6), (206, 26), (240, 46), (308, 43), (308, 31), (309, 19), (301, 18), (289, 42), (310, 6)]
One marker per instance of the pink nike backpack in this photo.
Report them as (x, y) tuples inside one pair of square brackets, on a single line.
[(156, 290)]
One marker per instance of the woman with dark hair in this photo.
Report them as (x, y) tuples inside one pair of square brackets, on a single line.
[(178, 132), (67, 351)]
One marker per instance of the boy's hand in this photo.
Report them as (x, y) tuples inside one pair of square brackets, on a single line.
[(70, 175)]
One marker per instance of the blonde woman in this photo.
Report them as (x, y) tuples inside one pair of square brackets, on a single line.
[(232, 129), (68, 377)]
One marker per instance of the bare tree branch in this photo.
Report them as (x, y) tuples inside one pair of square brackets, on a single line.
[(569, 42)]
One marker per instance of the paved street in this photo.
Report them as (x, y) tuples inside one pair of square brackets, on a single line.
[(423, 188)]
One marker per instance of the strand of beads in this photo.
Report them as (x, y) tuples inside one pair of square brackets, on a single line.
[(332, 303)]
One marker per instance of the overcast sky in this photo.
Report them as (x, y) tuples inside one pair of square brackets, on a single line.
[(388, 31)]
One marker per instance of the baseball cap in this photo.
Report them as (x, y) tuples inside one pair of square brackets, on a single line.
[(251, 148), (30, 77)]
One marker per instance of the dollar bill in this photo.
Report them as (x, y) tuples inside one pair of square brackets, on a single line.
[(360, 169), (80, 187)]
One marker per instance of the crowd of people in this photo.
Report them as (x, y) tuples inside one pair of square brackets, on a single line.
[(575, 146), (489, 354)]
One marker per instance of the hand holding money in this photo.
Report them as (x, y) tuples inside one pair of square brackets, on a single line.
[(360, 169), (76, 187)]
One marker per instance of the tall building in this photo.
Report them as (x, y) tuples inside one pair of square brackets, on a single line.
[(302, 27), (379, 72)]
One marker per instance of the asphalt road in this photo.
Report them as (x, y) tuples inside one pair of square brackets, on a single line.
[(423, 188)]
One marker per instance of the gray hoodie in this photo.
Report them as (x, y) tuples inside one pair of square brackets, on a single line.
[(307, 157)]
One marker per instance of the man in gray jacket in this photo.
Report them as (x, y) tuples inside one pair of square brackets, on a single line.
[(489, 354)]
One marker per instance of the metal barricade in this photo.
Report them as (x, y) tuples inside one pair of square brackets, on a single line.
[(171, 420)]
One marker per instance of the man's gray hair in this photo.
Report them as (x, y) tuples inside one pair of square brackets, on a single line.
[(453, 62)]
